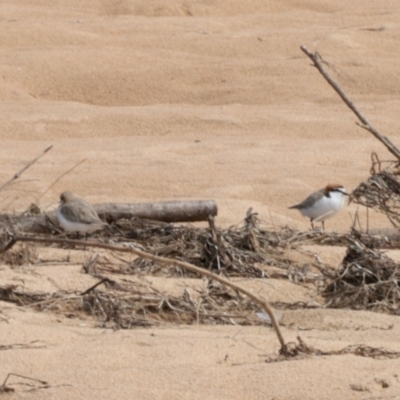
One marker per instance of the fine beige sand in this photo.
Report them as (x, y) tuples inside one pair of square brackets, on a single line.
[(191, 99)]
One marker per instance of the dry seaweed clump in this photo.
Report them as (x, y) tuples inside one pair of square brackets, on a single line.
[(368, 280), (381, 191), (239, 251), (125, 305), (146, 306), (21, 254)]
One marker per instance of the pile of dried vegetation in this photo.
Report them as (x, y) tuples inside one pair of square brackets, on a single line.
[(126, 304), (367, 280), (250, 249), (381, 191)]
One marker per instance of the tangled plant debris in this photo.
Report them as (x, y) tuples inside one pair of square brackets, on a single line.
[(237, 251), (368, 280), (249, 249), (381, 191)]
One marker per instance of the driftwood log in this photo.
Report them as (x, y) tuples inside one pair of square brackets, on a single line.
[(168, 211)]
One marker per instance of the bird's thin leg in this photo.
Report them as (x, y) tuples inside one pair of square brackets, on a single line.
[(323, 226), (312, 225)]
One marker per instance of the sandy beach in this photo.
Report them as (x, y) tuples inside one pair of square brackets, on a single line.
[(191, 99)]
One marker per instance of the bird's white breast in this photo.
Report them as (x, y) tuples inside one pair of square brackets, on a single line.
[(325, 207), (70, 226)]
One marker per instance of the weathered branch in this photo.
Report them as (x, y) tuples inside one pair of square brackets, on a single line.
[(19, 173), (316, 59), (168, 211), (165, 261)]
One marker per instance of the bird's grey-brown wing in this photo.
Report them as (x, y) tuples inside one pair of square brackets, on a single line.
[(310, 200), (80, 211)]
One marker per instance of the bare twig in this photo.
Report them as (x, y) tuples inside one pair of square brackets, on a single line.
[(273, 224), (104, 280), (4, 388), (166, 261), (61, 176), (19, 173), (317, 60)]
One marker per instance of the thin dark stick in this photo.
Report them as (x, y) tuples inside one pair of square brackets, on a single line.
[(61, 176), (95, 286), (4, 388), (317, 60), (358, 220), (166, 261), (19, 173), (353, 221), (8, 245)]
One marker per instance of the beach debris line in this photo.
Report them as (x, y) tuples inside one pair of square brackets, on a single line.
[(120, 303), (249, 249), (165, 261)]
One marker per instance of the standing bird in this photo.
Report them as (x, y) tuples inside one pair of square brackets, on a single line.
[(323, 204), (77, 215)]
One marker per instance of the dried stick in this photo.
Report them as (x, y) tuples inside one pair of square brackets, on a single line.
[(61, 176), (19, 173), (95, 286), (162, 260), (317, 60), (4, 388)]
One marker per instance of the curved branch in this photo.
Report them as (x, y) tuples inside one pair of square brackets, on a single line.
[(166, 261)]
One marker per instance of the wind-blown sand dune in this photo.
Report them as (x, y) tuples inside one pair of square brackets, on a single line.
[(191, 99)]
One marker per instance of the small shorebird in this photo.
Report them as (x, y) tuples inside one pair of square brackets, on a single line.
[(323, 204), (77, 215)]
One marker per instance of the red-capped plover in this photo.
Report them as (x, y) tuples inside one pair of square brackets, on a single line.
[(77, 215), (323, 204)]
